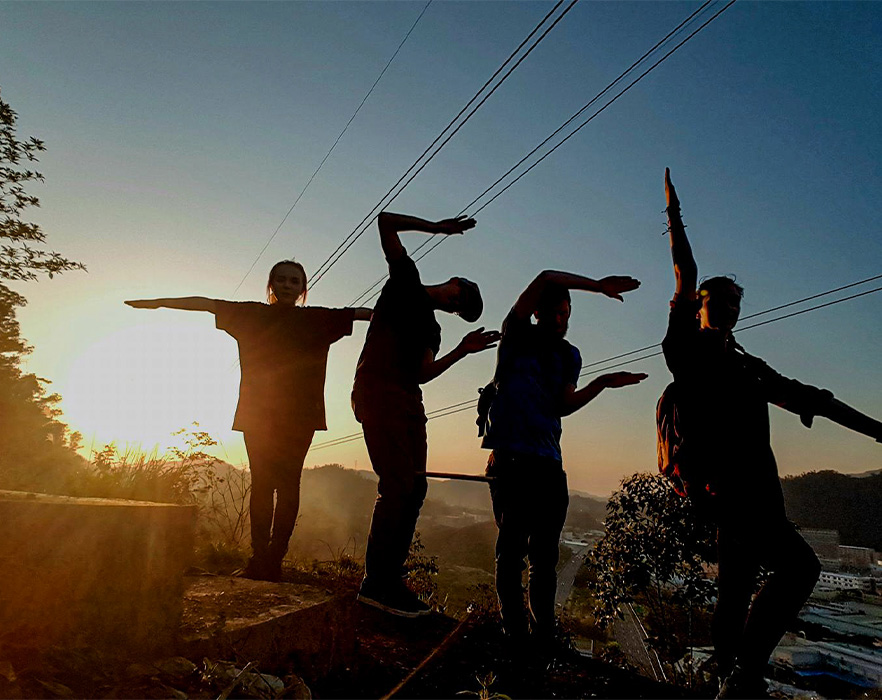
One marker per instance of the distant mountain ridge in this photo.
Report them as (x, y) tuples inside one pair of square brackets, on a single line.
[(849, 503)]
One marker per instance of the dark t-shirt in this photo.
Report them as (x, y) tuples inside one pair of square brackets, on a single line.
[(723, 397), (402, 328), (283, 353), (532, 371)]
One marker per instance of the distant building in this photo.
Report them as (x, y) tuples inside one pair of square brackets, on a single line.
[(860, 619), (825, 543), (860, 666), (857, 557), (838, 581)]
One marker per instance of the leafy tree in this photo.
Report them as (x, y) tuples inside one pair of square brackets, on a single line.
[(19, 260), (656, 552), (36, 449)]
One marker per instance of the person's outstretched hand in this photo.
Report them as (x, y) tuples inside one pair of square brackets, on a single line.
[(615, 285), (142, 303), (453, 226), (479, 340)]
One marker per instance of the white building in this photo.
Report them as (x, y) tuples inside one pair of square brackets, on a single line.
[(834, 580)]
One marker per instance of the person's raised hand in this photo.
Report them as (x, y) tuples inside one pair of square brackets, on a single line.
[(671, 200), (615, 380), (479, 340), (616, 285), (454, 226)]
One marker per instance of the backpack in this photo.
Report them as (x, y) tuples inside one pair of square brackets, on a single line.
[(670, 441), (486, 395)]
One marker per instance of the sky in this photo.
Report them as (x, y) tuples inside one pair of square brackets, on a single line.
[(179, 135)]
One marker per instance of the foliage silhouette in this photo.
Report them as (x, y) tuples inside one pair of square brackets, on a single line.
[(656, 551), (36, 449)]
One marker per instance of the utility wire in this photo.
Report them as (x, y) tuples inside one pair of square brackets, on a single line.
[(674, 32), (608, 104), (333, 146), (745, 318), (368, 219), (470, 404)]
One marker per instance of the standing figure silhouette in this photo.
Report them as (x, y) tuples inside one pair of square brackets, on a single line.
[(283, 354), (722, 401)]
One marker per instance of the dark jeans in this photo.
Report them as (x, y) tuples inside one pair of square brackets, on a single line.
[(530, 501), (745, 632), (276, 461), (396, 444)]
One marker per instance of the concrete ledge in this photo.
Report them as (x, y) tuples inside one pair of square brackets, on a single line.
[(267, 623), (91, 571)]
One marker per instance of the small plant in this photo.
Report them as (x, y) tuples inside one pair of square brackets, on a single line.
[(421, 572), (485, 693), (483, 603)]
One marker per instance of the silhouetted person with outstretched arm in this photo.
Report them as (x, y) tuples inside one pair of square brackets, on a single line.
[(283, 353), (726, 459), (537, 371), (399, 355)]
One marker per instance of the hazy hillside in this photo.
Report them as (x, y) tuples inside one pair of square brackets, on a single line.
[(585, 513), (467, 495), (830, 500)]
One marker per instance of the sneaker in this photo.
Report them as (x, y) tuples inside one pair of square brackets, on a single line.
[(739, 684), (400, 601)]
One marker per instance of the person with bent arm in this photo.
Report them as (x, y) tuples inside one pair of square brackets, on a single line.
[(537, 371), (400, 354)]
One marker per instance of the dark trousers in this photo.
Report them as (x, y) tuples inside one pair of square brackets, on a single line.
[(276, 461), (530, 501), (396, 444), (748, 633)]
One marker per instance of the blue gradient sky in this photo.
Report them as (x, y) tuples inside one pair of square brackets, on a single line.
[(179, 134)]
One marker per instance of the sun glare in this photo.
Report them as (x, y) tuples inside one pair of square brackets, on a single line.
[(137, 385)]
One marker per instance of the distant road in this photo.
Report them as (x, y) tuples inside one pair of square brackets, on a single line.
[(567, 575), (631, 636), (629, 633)]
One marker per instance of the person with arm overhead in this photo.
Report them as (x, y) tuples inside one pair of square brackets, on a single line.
[(537, 371), (399, 354), (722, 403), (283, 354)]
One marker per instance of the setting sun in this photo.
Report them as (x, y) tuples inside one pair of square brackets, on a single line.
[(139, 384)]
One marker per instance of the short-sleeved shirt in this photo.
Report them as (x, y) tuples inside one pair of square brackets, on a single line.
[(402, 328), (723, 397), (283, 353), (532, 371)]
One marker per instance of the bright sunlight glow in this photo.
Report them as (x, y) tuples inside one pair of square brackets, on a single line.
[(139, 384)]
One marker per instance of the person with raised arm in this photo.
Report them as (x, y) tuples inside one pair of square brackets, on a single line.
[(399, 354), (537, 371), (283, 354), (722, 397)]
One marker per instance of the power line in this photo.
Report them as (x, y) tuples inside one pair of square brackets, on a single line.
[(612, 101), (368, 219), (744, 318), (333, 146), (660, 43), (471, 403)]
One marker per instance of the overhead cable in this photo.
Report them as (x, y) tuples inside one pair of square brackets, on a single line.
[(347, 242), (333, 146), (363, 297)]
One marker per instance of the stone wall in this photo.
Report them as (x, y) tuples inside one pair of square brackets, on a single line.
[(92, 571)]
